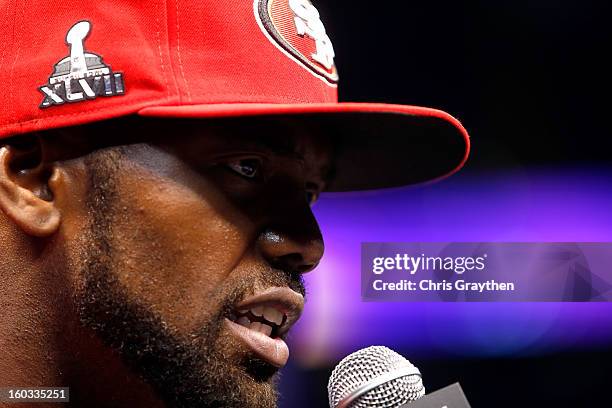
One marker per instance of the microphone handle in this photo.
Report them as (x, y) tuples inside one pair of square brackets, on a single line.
[(447, 397)]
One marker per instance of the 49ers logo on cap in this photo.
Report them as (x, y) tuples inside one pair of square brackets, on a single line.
[(81, 75), (295, 26)]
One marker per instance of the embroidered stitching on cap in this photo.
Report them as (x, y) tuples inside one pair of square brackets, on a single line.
[(303, 23), (82, 75)]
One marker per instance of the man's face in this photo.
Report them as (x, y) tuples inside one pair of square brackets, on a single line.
[(191, 258)]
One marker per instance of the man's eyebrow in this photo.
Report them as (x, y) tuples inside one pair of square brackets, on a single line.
[(280, 146), (286, 147)]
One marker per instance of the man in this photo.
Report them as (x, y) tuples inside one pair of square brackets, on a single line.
[(158, 165)]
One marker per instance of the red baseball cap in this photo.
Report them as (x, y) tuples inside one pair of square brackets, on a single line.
[(75, 62)]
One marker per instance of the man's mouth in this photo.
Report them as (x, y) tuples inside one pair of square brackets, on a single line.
[(262, 321)]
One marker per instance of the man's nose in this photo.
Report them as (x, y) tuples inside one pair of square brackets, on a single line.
[(292, 241)]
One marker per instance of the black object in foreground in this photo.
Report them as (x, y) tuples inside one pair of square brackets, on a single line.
[(447, 397)]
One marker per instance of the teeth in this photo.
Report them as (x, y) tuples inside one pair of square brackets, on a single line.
[(257, 311), (273, 315)]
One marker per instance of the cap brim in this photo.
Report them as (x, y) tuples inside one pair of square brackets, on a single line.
[(379, 145)]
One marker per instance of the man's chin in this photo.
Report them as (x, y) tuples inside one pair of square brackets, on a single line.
[(212, 373), (260, 371), (258, 386), (215, 370), (252, 380)]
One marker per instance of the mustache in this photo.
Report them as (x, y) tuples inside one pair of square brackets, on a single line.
[(295, 281), (260, 280)]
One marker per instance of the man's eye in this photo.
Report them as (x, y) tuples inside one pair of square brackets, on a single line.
[(249, 168)]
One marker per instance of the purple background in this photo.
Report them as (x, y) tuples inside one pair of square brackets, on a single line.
[(531, 82), (538, 205)]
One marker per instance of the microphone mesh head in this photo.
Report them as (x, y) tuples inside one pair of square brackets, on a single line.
[(366, 365)]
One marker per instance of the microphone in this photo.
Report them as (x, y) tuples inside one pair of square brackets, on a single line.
[(378, 377)]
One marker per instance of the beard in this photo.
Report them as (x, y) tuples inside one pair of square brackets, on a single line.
[(198, 369), (201, 369)]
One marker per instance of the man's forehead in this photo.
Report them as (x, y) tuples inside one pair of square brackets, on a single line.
[(193, 138), (283, 136), (287, 137)]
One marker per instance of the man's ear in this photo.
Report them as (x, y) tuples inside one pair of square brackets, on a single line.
[(26, 187)]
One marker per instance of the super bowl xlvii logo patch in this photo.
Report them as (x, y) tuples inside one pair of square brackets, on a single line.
[(82, 75), (295, 27)]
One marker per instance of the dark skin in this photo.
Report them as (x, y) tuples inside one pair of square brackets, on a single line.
[(127, 246)]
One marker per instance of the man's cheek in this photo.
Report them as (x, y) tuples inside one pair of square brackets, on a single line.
[(176, 257)]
